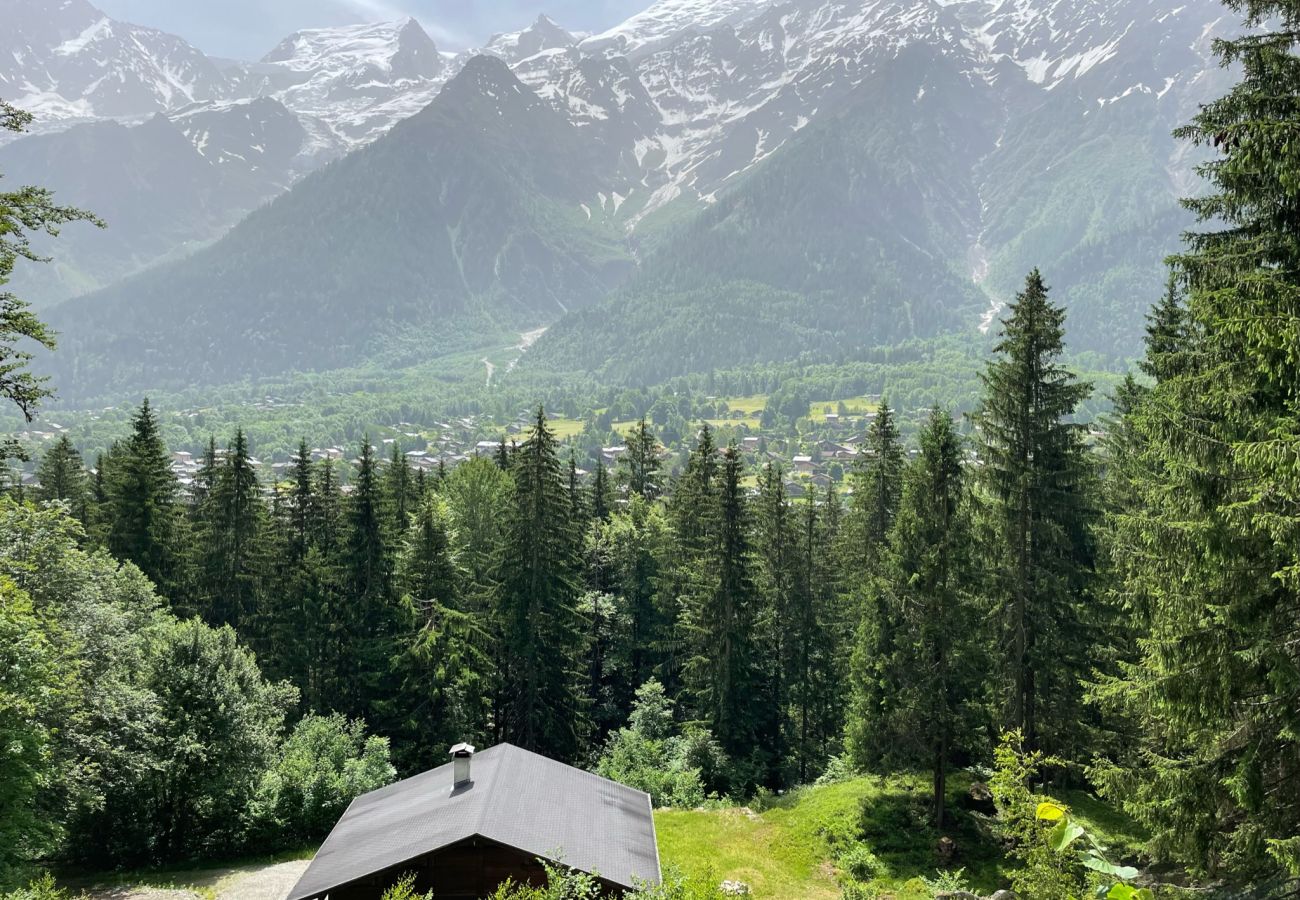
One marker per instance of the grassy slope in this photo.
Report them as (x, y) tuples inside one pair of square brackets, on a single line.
[(788, 851)]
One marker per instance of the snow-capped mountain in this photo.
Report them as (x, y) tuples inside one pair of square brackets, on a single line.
[(65, 61), (959, 142), (543, 34), (361, 79)]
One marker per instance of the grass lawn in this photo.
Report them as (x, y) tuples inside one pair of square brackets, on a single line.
[(565, 428), (855, 406), (788, 851)]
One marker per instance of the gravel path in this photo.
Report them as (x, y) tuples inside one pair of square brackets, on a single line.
[(259, 882)]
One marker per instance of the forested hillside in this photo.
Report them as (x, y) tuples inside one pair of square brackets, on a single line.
[(463, 219)]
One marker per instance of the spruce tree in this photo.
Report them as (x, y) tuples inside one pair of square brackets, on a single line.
[(62, 476), (371, 619), (229, 537), (1215, 543), (142, 497), (722, 673), (776, 554), (602, 500), (1035, 482), (444, 667), (877, 480), (537, 600), (929, 578), (813, 623), (639, 465)]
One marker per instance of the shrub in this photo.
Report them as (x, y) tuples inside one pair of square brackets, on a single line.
[(404, 889), (325, 762), (645, 755), (860, 863)]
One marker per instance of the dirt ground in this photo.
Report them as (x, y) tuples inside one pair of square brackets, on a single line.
[(270, 881)]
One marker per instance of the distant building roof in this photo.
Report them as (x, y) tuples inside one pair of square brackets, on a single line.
[(515, 798)]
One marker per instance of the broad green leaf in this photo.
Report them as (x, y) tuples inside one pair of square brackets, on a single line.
[(1106, 867), (1050, 812), (1064, 834), (1121, 892)]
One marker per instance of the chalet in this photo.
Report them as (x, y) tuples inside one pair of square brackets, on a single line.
[(466, 827), (804, 464)]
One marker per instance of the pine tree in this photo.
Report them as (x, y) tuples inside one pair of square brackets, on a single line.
[(302, 500), (776, 552), (142, 497), (398, 493), (537, 597), (229, 537), (1035, 479), (722, 672), (602, 500), (1214, 546), (813, 622), (639, 466), (371, 619), (445, 667), (877, 487), (930, 584), (62, 476)]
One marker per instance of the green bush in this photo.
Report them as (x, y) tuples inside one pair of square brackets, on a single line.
[(41, 888), (647, 756), (404, 889), (325, 762), (860, 863)]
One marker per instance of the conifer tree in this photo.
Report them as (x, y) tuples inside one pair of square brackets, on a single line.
[(537, 599), (639, 465), (62, 476), (1036, 489), (930, 585), (445, 667), (372, 618), (877, 487), (229, 538), (722, 672), (302, 500), (776, 555), (142, 496), (397, 493), (1215, 542), (602, 500), (24, 212), (813, 671)]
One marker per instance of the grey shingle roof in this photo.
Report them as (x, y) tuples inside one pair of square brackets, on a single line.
[(517, 798)]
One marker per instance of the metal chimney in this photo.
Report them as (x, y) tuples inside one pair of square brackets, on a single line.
[(461, 755)]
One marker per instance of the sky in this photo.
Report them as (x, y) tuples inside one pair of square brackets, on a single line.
[(247, 29)]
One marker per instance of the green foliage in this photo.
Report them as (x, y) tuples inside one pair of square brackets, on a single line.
[(41, 888), (649, 755), (323, 764), (24, 212), (536, 605), (1035, 490), (30, 681), (404, 889)]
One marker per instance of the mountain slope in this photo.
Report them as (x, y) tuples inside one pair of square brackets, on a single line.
[(163, 187), (467, 210), (840, 243)]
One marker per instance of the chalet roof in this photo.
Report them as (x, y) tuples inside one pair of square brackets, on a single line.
[(516, 798)]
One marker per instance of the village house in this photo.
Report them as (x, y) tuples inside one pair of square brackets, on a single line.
[(466, 827)]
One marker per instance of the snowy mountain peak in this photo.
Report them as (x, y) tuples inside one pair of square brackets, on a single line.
[(69, 61), (542, 35), (383, 47), (668, 20)]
